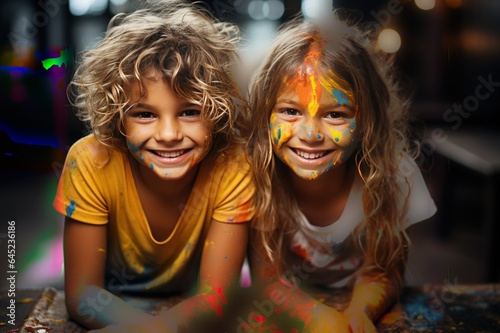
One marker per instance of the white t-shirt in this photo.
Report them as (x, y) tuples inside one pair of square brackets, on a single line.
[(330, 256)]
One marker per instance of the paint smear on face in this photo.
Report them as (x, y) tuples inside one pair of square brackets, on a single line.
[(336, 135), (352, 125), (307, 86), (338, 88), (308, 92), (340, 97), (133, 148), (281, 133)]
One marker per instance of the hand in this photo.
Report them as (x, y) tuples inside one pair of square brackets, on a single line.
[(359, 322), (326, 320)]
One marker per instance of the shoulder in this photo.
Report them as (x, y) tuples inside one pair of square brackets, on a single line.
[(228, 172), (419, 203), (90, 149), (234, 160)]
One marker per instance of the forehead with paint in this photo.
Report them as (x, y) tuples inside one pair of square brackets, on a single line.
[(309, 79)]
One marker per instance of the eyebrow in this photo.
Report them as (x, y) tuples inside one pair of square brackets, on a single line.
[(288, 101), (149, 106), (327, 106)]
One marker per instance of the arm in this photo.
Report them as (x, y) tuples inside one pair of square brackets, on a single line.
[(222, 259), (289, 301), (87, 302), (373, 293)]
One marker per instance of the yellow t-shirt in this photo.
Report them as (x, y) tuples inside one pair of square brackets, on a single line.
[(99, 189)]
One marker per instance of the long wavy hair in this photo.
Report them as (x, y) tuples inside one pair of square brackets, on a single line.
[(183, 43), (352, 56)]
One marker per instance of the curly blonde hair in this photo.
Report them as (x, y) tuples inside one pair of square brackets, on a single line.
[(182, 42), (382, 124)]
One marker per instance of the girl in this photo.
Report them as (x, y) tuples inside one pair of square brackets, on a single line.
[(335, 186), (160, 187)]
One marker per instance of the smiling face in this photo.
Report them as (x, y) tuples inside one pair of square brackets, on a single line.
[(164, 132), (313, 123)]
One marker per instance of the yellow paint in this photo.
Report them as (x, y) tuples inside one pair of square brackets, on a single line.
[(101, 250), (336, 135), (334, 82), (313, 103), (307, 86), (281, 133)]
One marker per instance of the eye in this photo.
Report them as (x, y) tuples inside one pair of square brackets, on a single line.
[(290, 112), (335, 115), (190, 113), (142, 115)]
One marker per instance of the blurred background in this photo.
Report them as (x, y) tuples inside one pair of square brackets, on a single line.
[(448, 51)]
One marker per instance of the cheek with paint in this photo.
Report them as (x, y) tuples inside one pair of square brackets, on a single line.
[(281, 132), (336, 136), (345, 141), (136, 150)]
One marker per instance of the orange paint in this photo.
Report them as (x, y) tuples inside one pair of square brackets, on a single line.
[(307, 85)]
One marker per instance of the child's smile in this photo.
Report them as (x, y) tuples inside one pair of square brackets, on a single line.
[(312, 124), (165, 133)]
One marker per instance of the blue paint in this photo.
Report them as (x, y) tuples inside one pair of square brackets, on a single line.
[(71, 208), (277, 140), (309, 133), (353, 125), (318, 136), (340, 97), (337, 139), (151, 166), (133, 147), (422, 313)]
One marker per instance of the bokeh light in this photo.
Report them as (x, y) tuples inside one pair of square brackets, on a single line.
[(389, 40), (425, 4)]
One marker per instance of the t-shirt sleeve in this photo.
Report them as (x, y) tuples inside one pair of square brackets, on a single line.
[(420, 205), (80, 189), (234, 200)]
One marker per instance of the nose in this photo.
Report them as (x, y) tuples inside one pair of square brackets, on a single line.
[(168, 130), (311, 131)]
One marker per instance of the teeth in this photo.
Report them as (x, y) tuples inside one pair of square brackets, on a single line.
[(309, 156), (170, 154)]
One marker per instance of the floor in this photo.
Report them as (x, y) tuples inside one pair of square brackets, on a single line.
[(26, 198)]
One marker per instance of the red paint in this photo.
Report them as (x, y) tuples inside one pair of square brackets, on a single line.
[(221, 294), (215, 305), (259, 319)]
